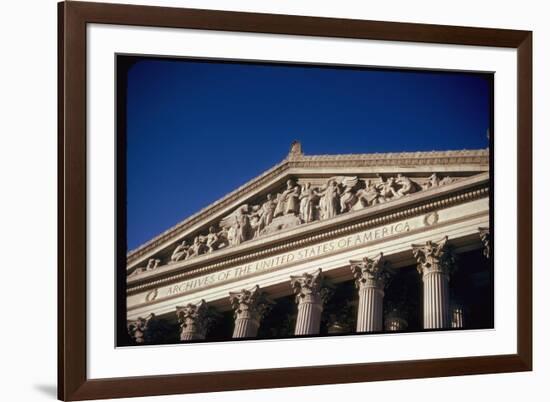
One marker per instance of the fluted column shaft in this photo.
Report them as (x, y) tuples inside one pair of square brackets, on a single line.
[(435, 262), (190, 332), (436, 300), (246, 327), (308, 321), (307, 288), (249, 306), (370, 276), (370, 311)]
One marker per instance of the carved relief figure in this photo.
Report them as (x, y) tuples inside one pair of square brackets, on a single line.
[(242, 227), (267, 210), (386, 188), (297, 205), (288, 202), (197, 248), (331, 198), (433, 181), (406, 185), (152, 264), (214, 240), (180, 252), (237, 226), (446, 180), (348, 197), (308, 200), (369, 195)]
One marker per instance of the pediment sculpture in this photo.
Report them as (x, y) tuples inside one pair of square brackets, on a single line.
[(297, 204)]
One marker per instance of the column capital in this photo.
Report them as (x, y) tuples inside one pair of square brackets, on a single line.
[(250, 303), (308, 287), (434, 257), (137, 329), (193, 320), (370, 272), (485, 235)]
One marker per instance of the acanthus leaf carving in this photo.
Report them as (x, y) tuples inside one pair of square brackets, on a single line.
[(250, 303), (371, 272), (308, 287), (434, 257), (138, 328), (194, 320)]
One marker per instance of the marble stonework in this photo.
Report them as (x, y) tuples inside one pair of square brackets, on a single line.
[(341, 217)]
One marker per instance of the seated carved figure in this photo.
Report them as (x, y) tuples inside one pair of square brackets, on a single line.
[(180, 252), (385, 188), (406, 186), (369, 195), (153, 263), (433, 181)]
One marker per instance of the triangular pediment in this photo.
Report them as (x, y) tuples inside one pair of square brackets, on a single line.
[(304, 189)]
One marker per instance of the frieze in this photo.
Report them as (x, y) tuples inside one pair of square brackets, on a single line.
[(322, 249)]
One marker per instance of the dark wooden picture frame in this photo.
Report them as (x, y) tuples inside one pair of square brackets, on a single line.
[(73, 383)]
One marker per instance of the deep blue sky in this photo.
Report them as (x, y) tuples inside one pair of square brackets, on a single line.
[(197, 130)]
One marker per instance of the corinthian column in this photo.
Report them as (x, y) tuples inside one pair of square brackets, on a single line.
[(250, 306), (192, 319), (307, 288), (370, 276), (435, 263)]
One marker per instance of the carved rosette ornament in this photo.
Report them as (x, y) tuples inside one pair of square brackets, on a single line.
[(309, 298), (485, 235), (137, 329), (193, 321), (250, 307), (435, 264), (371, 276)]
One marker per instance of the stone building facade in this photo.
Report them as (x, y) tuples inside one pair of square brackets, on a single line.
[(324, 244)]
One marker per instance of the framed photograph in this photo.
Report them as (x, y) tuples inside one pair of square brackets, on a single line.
[(252, 200)]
